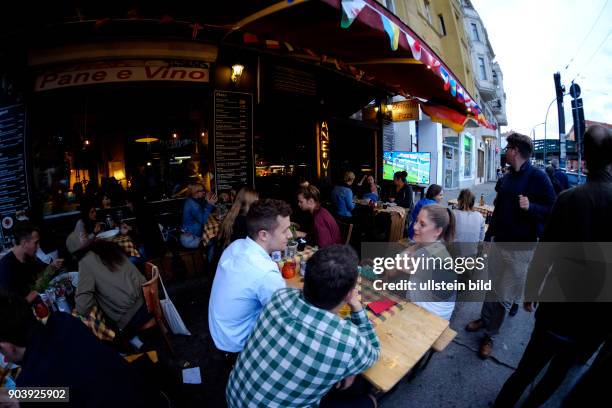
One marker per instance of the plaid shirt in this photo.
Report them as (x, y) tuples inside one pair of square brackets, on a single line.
[(297, 352)]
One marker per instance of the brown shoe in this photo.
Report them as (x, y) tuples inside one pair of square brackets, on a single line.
[(486, 348), (475, 325)]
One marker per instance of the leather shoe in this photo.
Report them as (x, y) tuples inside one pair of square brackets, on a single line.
[(475, 325), (486, 348)]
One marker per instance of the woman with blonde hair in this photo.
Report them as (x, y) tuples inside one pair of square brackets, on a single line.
[(234, 223)]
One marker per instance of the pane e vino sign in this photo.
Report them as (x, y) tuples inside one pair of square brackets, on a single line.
[(123, 71)]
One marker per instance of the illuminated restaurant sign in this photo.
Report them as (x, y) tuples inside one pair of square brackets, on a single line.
[(123, 71), (323, 150)]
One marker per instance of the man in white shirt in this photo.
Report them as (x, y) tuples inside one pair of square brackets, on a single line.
[(247, 277)]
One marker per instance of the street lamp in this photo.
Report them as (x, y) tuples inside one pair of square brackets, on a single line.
[(532, 133)]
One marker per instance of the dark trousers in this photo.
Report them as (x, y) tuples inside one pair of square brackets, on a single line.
[(353, 397), (543, 347)]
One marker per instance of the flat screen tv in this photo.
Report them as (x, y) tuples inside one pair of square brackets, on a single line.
[(416, 164)]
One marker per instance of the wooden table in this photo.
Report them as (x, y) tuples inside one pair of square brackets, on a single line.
[(406, 334)]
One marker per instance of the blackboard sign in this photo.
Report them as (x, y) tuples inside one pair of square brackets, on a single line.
[(233, 151), (13, 178)]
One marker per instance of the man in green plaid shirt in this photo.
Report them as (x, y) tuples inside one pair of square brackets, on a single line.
[(300, 347)]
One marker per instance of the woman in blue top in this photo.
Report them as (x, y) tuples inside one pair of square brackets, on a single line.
[(195, 215), (342, 196), (433, 196)]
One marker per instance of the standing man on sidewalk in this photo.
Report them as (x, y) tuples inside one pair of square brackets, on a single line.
[(580, 221), (525, 196)]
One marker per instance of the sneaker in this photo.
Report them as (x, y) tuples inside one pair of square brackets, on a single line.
[(513, 310), (475, 325), (486, 347)]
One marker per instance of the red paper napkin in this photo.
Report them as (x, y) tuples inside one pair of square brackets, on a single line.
[(381, 306)]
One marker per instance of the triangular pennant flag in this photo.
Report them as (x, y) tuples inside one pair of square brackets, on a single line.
[(249, 38), (415, 47), (272, 44), (392, 30), (350, 11), (460, 94), (445, 77), (453, 87)]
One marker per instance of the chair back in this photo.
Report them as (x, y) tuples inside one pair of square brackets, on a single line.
[(150, 290)]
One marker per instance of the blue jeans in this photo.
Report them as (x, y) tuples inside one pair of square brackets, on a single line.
[(189, 240)]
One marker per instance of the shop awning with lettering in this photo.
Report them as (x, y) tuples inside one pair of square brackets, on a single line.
[(362, 39)]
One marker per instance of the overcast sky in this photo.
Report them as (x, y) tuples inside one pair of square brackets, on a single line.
[(534, 39)]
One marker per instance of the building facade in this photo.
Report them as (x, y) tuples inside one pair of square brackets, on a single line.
[(454, 30)]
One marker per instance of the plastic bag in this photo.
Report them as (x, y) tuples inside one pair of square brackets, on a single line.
[(172, 315)]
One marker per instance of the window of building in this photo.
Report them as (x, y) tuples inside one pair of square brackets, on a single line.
[(475, 35), (467, 156), (482, 68), (390, 4), (442, 25), (428, 11)]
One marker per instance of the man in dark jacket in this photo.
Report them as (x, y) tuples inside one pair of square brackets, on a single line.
[(64, 353), (524, 198), (580, 221), (560, 174)]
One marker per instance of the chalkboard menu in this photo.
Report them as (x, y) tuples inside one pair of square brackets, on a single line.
[(233, 139), (13, 179)]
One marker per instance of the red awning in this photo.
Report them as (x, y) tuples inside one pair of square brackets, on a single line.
[(363, 39)]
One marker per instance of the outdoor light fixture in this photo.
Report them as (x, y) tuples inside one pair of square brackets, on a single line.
[(376, 109), (86, 142), (174, 135), (146, 139), (236, 72), (149, 164)]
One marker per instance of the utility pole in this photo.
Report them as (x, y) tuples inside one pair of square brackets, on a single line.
[(578, 116), (559, 91)]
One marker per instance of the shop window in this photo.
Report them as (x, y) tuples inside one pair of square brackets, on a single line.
[(428, 10), (482, 68), (442, 25), (467, 156), (475, 35), (89, 142)]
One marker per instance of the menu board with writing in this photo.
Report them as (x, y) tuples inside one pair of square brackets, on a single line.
[(233, 139), (13, 179)]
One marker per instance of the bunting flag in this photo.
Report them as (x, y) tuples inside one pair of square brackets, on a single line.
[(460, 94), (249, 38), (272, 44), (415, 47), (453, 86), (445, 77), (393, 31), (350, 11)]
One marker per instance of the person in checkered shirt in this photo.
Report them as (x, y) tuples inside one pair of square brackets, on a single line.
[(300, 348)]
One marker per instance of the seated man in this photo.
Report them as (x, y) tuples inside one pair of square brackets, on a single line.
[(247, 277), (325, 229), (64, 353), (19, 269), (300, 347)]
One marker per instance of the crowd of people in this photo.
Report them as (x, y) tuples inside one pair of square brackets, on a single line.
[(288, 347)]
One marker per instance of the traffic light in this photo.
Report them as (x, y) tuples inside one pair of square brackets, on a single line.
[(578, 116)]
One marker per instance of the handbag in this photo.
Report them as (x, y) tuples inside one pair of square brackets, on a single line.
[(175, 322)]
